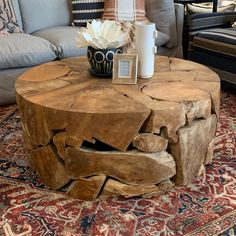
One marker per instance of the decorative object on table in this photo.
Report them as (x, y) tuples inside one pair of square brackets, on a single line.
[(123, 10), (125, 69), (164, 15), (104, 40), (145, 35), (101, 60), (126, 12), (129, 29), (8, 22), (84, 11)]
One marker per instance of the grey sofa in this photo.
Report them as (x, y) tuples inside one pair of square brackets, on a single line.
[(48, 35)]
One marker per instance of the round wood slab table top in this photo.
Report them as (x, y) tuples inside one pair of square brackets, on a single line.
[(101, 139)]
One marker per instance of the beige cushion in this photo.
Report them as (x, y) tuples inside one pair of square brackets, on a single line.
[(207, 8), (162, 13)]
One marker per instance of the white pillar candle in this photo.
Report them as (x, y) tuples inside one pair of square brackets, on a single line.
[(145, 34)]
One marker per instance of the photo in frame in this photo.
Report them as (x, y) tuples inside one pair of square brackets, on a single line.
[(125, 68)]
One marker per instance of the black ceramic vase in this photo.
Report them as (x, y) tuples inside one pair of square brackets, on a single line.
[(101, 61)]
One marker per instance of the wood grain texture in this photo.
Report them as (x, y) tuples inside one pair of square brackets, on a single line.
[(170, 115), (191, 150), (197, 103), (86, 189), (210, 152), (59, 140), (49, 167), (66, 114), (131, 167), (148, 142), (113, 187)]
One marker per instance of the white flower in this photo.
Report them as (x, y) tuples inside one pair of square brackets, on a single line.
[(101, 35)]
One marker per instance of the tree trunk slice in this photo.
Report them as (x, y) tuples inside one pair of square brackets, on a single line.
[(38, 73), (213, 89), (164, 186), (64, 109), (28, 146), (93, 107), (147, 142), (170, 115), (49, 167), (59, 140), (35, 123), (114, 187), (86, 189), (131, 167), (197, 103), (191, 150), (210, 152)]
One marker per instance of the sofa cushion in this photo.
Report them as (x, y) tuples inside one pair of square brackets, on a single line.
[(8, 22), (162, 13), (161, 39), (123, 10), (200, 22), (64, 40), (7, 84), (22, 50), (84, 11), (16, 7), (40, 14)]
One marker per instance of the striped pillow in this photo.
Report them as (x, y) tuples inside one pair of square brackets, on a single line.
[(84, 11), (123, 10), (8, 22)]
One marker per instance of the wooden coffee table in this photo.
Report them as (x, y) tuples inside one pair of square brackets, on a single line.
[(95, 138)]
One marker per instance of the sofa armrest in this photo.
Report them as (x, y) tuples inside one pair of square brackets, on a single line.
[(179, 14), (199, 22)]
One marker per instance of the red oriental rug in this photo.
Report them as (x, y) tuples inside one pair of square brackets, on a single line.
[(205, 207)]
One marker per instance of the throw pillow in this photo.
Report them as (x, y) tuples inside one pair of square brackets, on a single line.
[(3, 33), (162, 13), (161, 39), (8, 22), (84, 11), (123, 10), (207, 8)]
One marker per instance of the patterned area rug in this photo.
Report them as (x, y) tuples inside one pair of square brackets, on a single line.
[(205, 207)]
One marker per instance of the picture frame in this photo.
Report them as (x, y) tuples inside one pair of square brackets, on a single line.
[(125, 68)]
